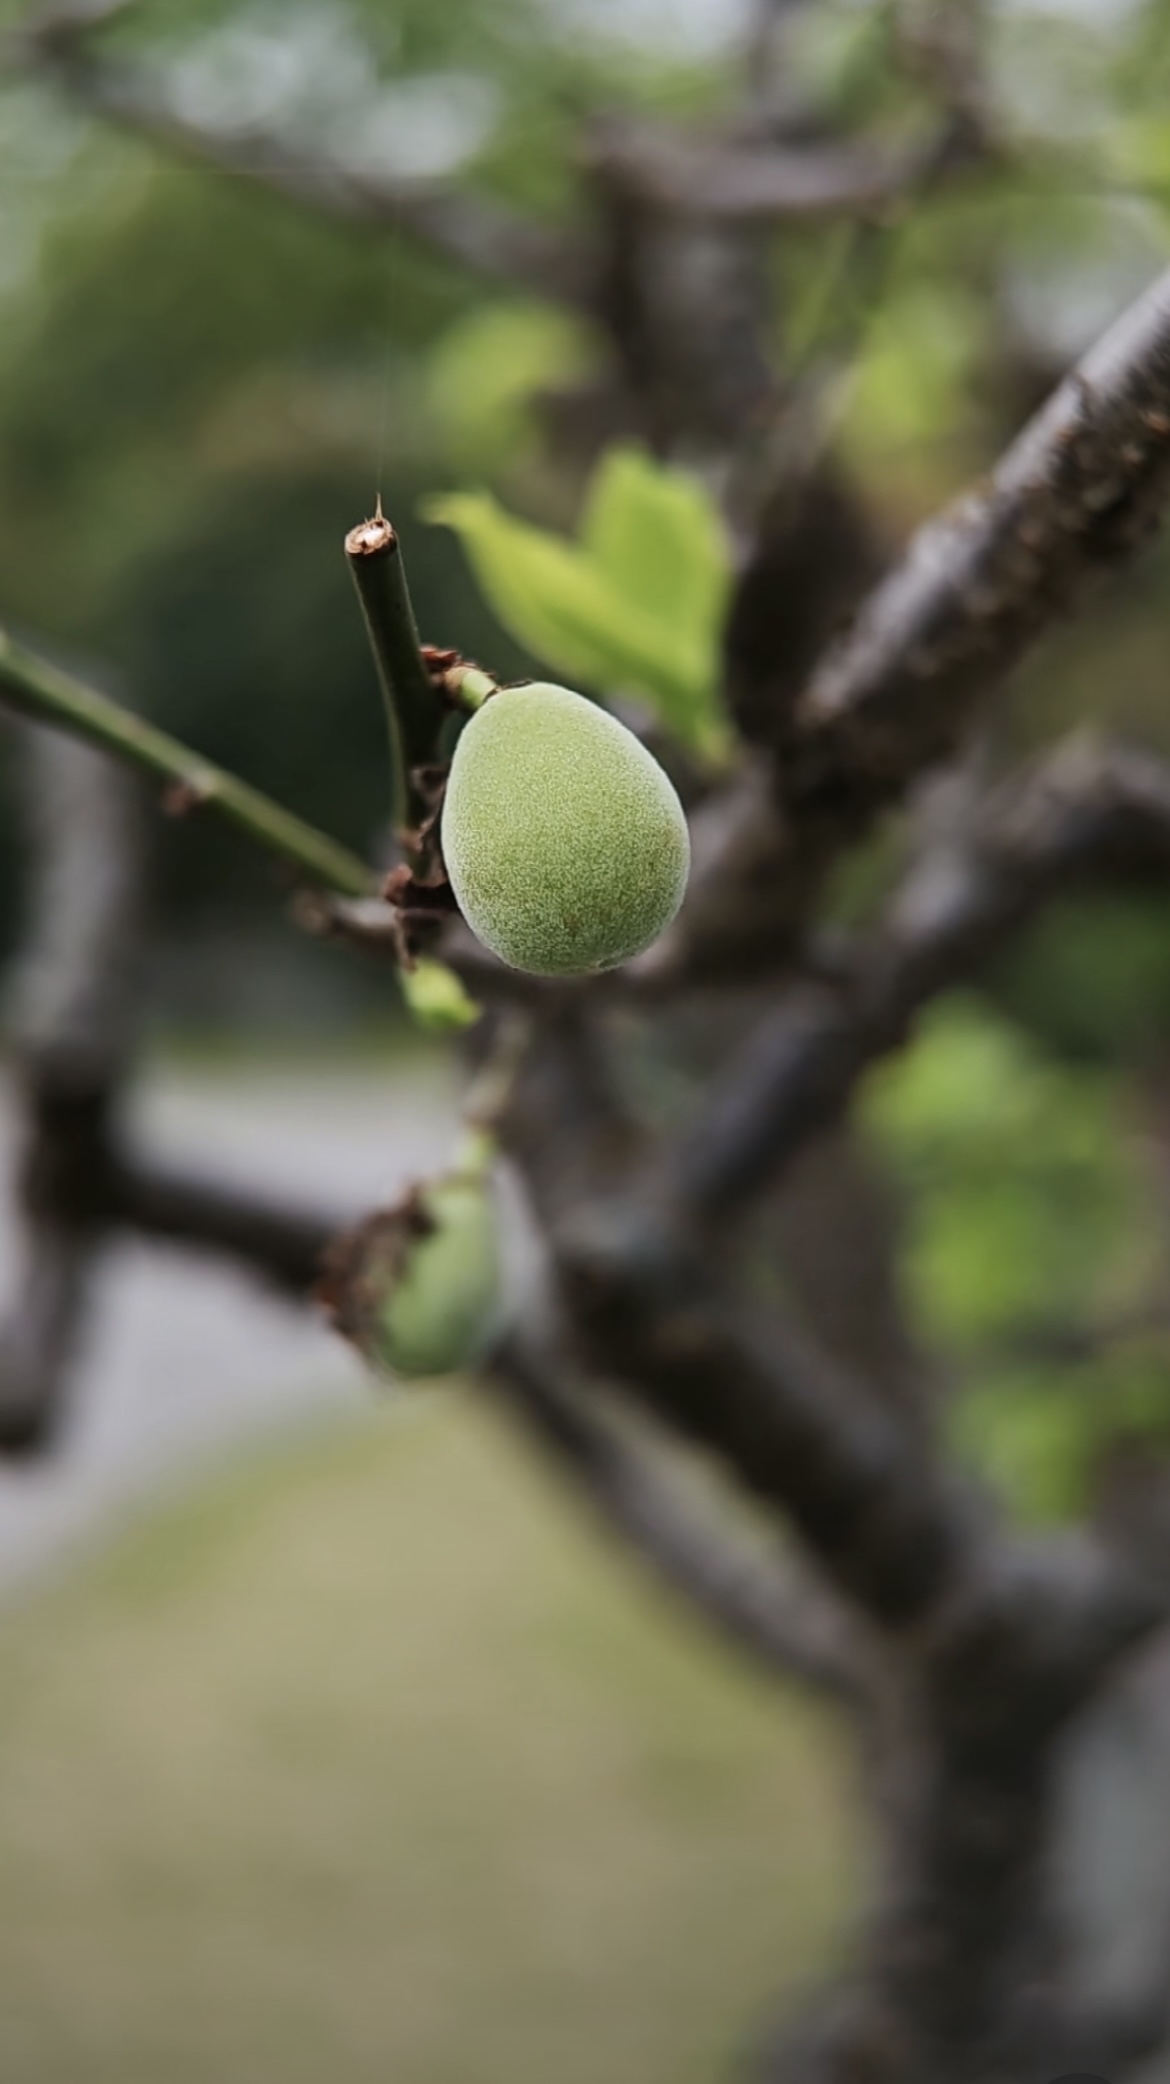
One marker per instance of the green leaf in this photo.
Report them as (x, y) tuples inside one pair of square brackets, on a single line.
[(634, 608), (436, 997), (542, 590), (487, 371), (661, 543), (1027, 1211)]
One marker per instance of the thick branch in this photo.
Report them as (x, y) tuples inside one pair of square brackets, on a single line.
[(1077, 492), (281, 1244), (1008, 1635), (792, 1629), (1075, 495), (74, 1012), (1085, 812), (855, 1483)]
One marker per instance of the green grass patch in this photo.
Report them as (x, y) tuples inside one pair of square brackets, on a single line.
[(370, 1761)]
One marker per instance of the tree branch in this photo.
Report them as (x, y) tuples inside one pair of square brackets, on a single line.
[(76, 1000), (1079, 490), (854, 1482), (791, 1629), (74, 1004), (1087, 811), (282, 1245), (1076, 494), (644, 1312), (32, 687), (414, 712)]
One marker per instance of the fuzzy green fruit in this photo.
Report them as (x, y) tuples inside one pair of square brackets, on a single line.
[(442, 1309), (418, 1288), (565, 842)]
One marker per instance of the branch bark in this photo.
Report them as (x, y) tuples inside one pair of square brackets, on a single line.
[(73, 1017), (790, 1628), (1087, 811), (281, 1244), (1076, 494)]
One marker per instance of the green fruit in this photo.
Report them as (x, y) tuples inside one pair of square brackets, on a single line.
[(565, 842), (418, 1288), (444, 1305)]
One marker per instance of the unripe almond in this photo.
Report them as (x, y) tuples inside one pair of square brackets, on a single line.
[(564, 840), (441, 1314), (418, 1288)]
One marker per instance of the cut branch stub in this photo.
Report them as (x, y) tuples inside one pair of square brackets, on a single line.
[(414, 711)]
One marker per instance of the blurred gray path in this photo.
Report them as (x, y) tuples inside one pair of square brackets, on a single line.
[(184, 1355)]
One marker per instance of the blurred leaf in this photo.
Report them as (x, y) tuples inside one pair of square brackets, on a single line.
[(437, 998), (1092, 978), (1140, 152), (634, 608), (1029, 1212), (1029, 1204), (913, 383), (485, 371), (1039, 1432), (659, 539), (1028, 1438), (545, 592)]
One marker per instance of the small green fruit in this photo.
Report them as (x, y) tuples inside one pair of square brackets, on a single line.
[(565, 842), (441, 1313), (418, 1288)]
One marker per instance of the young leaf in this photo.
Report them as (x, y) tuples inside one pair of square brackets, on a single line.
[(634, 608), (658, 538), (541, 589), (489, 368), (436, 997)]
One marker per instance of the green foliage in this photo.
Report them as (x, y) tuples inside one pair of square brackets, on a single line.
[(1027, 1195), (633, 607), (437, 999), (485, 371), (914, 374), (1039, 1434), (1093, 977), (1029, 1220)]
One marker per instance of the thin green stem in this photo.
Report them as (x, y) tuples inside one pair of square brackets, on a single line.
[(35, 688), (414, 714), (470, 684)]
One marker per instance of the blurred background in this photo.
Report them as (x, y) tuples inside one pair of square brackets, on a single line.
[(331, 1739)]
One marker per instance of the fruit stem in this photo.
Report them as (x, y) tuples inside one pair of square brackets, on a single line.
[(414, 714), (34, 688), (470, 684)]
